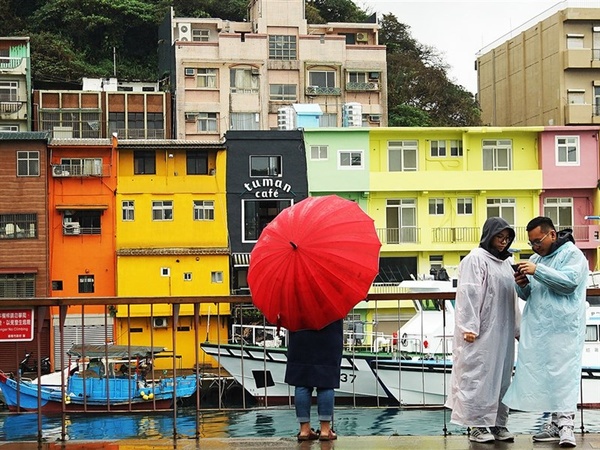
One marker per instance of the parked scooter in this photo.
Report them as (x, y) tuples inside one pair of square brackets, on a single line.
[(25, 367)]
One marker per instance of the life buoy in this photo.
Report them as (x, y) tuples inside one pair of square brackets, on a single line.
[(404, 340)]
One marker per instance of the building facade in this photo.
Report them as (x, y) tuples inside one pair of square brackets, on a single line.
[(15, 84), (24, 249), (239, 75), (546, 75)]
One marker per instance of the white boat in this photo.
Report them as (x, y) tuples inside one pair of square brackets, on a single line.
[(261, 370)]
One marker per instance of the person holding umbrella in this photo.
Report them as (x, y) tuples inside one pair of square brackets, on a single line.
[(310, 266), (486, 325), (314, 361)]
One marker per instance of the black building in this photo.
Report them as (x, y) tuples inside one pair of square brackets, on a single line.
[(266, 173)]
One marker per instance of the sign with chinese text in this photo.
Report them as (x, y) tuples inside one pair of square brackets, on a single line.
[(16, 325)]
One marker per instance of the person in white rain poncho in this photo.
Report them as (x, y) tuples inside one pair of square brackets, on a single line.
[(486, 324), (553, 282)]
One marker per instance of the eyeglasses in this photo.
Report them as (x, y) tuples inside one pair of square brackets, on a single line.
[(538, 242), (502, 237)]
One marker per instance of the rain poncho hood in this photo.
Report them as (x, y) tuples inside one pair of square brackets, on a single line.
[(548, 366), (486, 305)]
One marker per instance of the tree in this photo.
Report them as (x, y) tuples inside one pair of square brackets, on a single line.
[(418, 81)]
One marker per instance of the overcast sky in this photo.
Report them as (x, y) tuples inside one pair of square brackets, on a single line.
[(460, 29)]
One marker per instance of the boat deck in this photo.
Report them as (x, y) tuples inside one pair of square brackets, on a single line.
[(588, 441)]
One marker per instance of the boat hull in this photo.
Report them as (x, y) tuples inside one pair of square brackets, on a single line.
[(94, 394), (262, 372)]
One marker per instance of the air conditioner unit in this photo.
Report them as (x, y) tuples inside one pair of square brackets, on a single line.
[(57, 171), (160, 322), (189, 72), (71, 228), (255, 71), (352, 115), (376, 118), (184, 31), (191, 117), (362, 37), (373, 75)]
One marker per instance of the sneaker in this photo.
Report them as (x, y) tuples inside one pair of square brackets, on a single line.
[(567, 437), (549, 433), (502, 434), (480, 434)]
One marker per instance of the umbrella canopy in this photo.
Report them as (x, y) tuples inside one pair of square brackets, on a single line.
[(313, 263)]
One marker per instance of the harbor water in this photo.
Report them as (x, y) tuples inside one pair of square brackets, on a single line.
[(274, 422)]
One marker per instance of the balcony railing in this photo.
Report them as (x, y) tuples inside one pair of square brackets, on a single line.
[(362, 86), (319, 90), (7, 63), (8, 107), (456, 234), (96, 129), (73, 170), (404, 235)]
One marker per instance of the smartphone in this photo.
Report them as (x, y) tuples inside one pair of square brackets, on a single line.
[(515, 267)]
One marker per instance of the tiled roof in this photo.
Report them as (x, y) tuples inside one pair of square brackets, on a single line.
[(24, 135)]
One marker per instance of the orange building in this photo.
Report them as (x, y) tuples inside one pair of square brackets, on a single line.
[(81, 223)]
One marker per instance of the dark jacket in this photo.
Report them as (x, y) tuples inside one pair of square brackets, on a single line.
[(314, 357), (492, 227)]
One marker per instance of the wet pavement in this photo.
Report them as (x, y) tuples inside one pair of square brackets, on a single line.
[(522, 441)]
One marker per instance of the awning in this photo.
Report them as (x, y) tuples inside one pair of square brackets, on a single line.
[(241, 259), (80, 207)]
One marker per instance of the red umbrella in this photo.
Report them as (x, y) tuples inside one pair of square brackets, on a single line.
[(313, 263)]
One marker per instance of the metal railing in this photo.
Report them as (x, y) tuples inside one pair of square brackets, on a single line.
[(383, 354), (405, 235)]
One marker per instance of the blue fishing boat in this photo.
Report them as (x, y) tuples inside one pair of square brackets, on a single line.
[(105, 377)]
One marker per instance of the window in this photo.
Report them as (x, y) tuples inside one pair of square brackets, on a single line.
[(591, 333), (567, 150), (321, 78), (576, 97), (456, 148), (243, 81), (328, 120), (436, 206), (283, 92), (436, 262), (464, 206), (9, 127), (127, 208), (82, 222), (165, 271), (438, 148), (28, 164), (282, 47), (596, 43), (245, 121), (401, 221), (82, 166), (216, 277), (116, 123), (497, 155), (597, 99), (162, 210), (9, 91), (196, 162), (560, 210), (72, 123), (257, 214), (574, 41), (86, 284), (318, 152), (155, 126), (18, 226), (402, 156), (201, 35), (17, 285), (144, 162), (206, 78), (265, 166), (204, 210), (207, 122), (57, 285), (187, 276), (357, 77), (350, 159), (502, 207)]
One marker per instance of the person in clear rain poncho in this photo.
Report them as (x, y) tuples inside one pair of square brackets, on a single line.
[(553, 282), (486, 325)]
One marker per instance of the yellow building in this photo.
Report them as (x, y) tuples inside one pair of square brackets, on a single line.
[(171, 242)]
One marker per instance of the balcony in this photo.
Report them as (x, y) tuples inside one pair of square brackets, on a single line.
[(8, 64), (85, 170), (404, 235), (11, 107), (472, 235), (96, 129), (319, 90), (362, 86)]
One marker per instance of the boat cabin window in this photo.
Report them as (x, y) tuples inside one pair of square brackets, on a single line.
[(591, 333)]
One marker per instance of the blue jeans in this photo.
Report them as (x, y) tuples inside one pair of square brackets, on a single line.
[(303, 400)]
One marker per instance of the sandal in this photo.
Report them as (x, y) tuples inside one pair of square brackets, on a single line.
[(331, 436), (312, 436)]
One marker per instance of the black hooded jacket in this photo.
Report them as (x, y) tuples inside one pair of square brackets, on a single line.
[(492, 227)]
